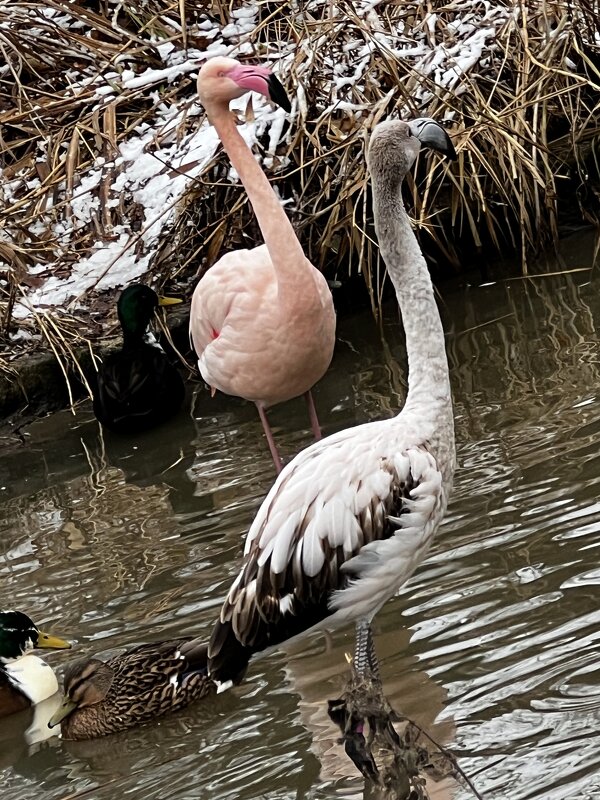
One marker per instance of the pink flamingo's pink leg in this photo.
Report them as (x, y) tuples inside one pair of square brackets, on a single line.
[(271, 441), (312, 414)]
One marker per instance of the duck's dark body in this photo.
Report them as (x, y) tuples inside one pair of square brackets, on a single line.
[(137, 388), (11, 699)]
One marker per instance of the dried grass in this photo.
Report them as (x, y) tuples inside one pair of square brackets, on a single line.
[(524, 116)]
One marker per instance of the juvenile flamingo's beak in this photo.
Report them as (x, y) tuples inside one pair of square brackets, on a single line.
[(431, 134)]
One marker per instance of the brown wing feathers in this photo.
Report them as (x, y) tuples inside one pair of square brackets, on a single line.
[(265, 609)]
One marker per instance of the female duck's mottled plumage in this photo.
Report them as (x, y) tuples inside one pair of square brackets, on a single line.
[(137, 387), (348, 520), (25, 679), (137, 686)]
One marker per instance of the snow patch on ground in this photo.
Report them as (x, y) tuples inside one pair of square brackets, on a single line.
[(156, 164)]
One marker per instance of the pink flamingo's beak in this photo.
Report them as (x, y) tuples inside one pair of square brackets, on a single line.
[(261, 80)]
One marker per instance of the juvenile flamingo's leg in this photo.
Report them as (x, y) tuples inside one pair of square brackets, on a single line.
[(365, 659), (271, 441), (312, 414)]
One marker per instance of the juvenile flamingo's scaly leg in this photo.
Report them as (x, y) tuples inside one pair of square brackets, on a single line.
[(365, 658), (271, 441), (312, 415)]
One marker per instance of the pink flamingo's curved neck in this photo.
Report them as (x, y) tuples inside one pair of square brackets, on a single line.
[(282, 243)]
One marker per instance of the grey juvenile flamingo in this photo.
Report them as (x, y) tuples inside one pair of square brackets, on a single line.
[(350, 517)]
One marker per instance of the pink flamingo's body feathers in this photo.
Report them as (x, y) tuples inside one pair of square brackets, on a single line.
[(251, 344), (262, 321)]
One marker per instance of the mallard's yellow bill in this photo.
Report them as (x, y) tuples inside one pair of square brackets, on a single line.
[(169, 301), (65, 709), (49, 642)]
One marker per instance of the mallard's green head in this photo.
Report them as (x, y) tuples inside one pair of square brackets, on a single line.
[(136, 307), (18, 634)]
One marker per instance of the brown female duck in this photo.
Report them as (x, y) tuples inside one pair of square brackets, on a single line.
[(103, 697)]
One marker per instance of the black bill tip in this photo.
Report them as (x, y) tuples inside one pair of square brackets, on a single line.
[(277, 93), (431, 134)]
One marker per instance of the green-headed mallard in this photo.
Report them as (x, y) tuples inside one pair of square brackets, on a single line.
[(137, 387), (24, 678), (137, 686)]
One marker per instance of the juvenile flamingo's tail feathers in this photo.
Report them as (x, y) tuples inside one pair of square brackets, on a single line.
[(246, 627)]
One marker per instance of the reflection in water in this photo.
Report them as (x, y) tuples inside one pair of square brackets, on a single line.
[(492, 647), (20, 732), (318, 673)]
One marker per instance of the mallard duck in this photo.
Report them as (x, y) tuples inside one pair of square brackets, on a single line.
[(24, 678), (137, 387), (103, 697)]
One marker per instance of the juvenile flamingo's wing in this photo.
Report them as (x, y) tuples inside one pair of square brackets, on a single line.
[(317, 531)]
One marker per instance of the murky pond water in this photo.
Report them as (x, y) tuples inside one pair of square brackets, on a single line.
[(494, 645)]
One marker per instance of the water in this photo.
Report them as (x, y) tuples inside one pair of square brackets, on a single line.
[(494, 645)]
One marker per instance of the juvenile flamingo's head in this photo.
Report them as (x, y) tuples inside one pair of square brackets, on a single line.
[(223, 79), (395, 145)]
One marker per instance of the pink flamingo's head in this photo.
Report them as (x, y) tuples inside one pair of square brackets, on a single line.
[(223, 79)]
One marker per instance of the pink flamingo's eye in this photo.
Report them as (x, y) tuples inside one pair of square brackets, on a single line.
[(221, 74)]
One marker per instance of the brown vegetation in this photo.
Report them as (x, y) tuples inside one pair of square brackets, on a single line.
[(517, 83)]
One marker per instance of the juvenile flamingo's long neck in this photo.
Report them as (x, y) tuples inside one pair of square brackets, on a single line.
[(428, 378), (282, 243)]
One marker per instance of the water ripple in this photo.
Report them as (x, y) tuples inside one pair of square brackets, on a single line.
[(493, 646)]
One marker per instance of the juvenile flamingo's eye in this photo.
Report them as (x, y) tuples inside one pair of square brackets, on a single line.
[(221, 74)]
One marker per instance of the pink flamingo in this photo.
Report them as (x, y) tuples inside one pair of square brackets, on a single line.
[(262, 321)]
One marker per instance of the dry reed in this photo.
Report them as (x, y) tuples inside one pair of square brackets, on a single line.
[(516, 82)]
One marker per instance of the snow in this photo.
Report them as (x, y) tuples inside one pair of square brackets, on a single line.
[(84, 201), (116, 262), (153, 76), (165, 49), (106, 267), (156, 164)]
